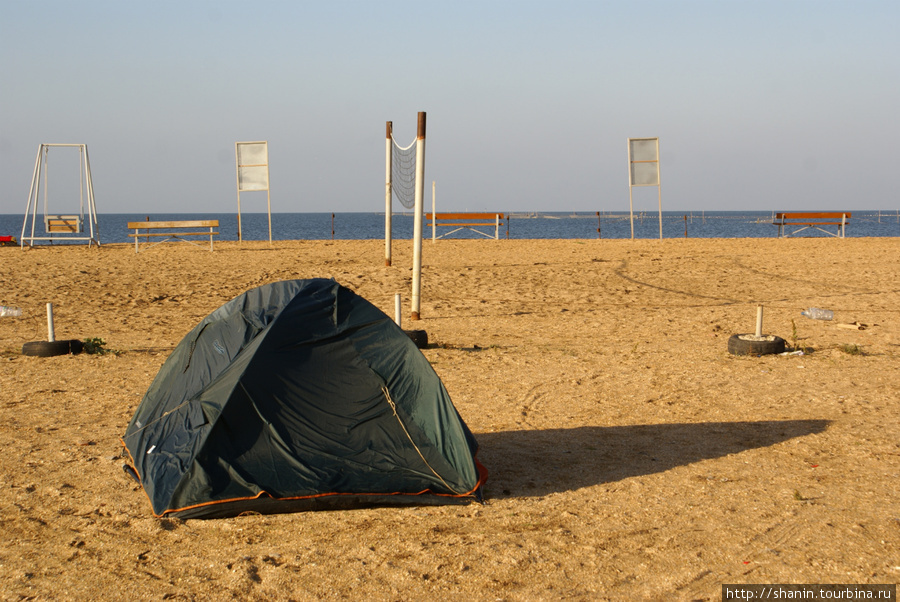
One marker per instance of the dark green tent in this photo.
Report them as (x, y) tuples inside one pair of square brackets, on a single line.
[(298, 395)]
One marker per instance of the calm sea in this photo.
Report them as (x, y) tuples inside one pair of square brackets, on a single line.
[(359, 226)]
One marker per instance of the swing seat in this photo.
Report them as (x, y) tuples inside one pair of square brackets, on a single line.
[(63, 223)]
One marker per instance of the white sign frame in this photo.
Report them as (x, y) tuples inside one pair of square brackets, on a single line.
[(643, 170), (251, 161)]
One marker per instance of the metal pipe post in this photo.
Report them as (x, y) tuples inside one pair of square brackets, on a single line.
[(388, 146), (417, 224), (759, 318), (237, 180), (51, 333)]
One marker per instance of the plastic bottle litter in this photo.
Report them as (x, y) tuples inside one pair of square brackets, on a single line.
[(12, 312), (815, 313)]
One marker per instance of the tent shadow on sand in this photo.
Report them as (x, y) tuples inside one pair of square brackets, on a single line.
[(540, 462)]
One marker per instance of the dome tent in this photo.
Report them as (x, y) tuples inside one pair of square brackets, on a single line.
[(298, 395)]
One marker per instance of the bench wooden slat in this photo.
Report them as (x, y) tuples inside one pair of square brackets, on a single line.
[(813, 215), (812, 223), (173, 234), (210, 223), (440, 223), (466, 216)]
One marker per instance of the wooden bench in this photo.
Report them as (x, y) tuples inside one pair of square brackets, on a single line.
[(69, 224), (812, 220), (466, 221), (174, 230)]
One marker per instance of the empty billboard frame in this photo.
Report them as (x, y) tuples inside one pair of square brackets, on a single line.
[(643, 170), (252, 161)]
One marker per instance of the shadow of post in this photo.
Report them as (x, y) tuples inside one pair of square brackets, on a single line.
[(537, 463)]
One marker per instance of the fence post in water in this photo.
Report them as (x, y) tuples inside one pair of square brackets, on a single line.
[(332, 226), (598, 226), (685, 226)]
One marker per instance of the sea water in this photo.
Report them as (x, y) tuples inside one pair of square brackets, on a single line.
[(113, 227)]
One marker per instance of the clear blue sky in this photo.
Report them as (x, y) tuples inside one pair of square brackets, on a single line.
[(758, 105)]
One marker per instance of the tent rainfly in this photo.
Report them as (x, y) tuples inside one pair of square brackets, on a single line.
[(298, 395)]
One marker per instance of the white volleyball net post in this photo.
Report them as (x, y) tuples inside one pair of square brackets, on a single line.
[(252, 172), (405, 178), (643, 170), (417, 220), (388, 214)]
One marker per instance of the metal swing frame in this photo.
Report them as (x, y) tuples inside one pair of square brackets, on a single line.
[(61, 227)]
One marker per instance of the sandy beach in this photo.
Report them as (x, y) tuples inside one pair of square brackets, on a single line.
[(630, 455)]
